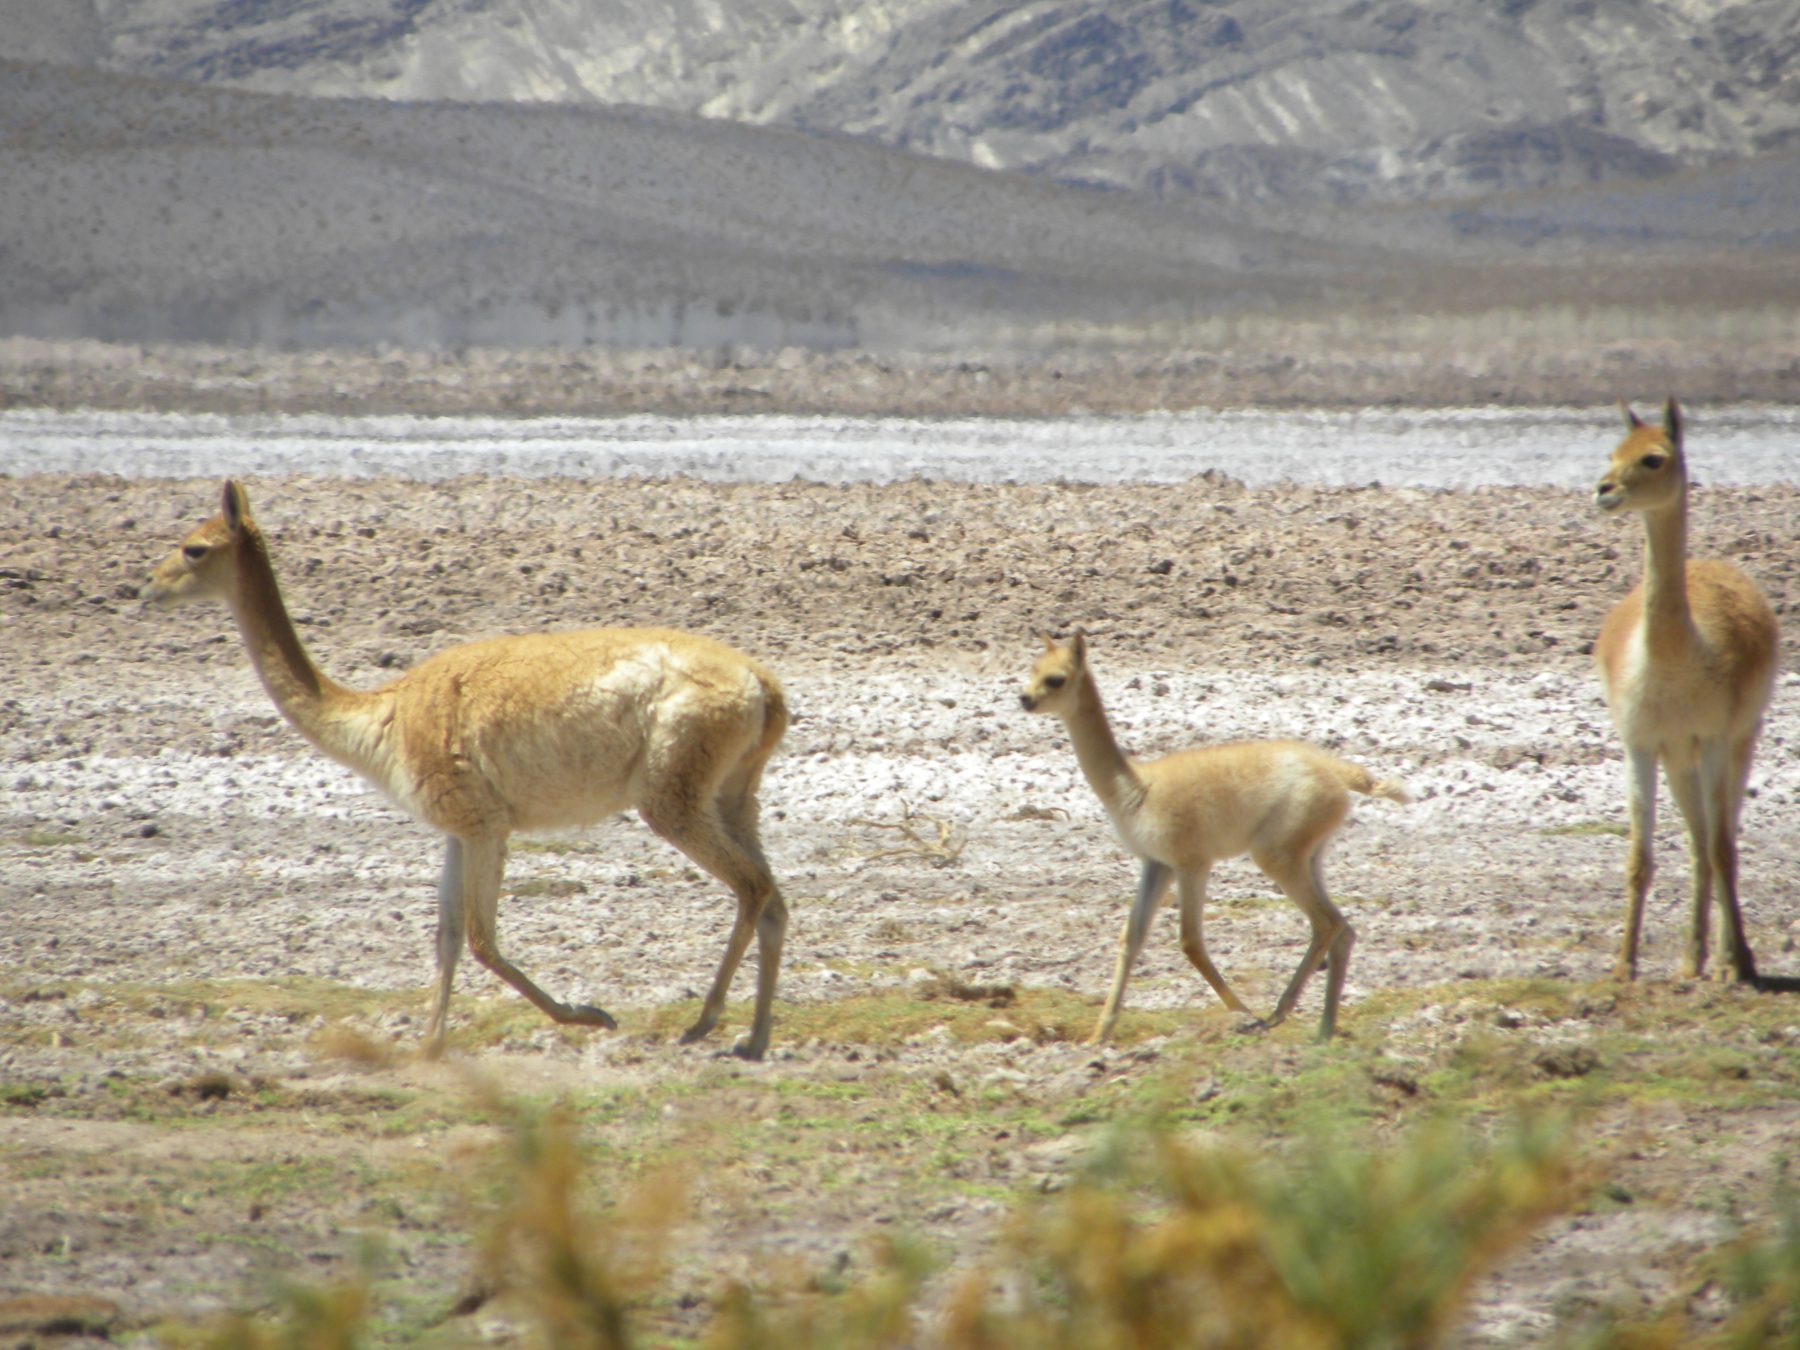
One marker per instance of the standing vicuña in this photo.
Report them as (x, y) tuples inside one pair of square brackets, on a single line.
[(1278, 801), (533, 732), (1688, 661)]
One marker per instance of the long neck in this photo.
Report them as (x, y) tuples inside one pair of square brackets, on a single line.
[(1665, 572), (1103, 764), (312, 701)]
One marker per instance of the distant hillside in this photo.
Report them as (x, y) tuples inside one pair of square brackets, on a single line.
[(941, 176), (1274, 103), (140, 210)]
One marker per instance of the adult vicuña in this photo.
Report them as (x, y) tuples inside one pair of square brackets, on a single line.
[(1688, 662), (532, 732), (1278, 801)]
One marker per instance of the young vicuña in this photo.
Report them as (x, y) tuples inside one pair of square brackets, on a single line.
[(1278, 801), (531, 732), (1688, 663)]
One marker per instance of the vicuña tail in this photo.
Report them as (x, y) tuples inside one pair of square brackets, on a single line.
[(1359, 779)]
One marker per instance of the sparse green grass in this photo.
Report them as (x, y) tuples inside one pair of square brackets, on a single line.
[(297, 998), (887, 1019), (23, 1094), (47, 838), (852, 1125)]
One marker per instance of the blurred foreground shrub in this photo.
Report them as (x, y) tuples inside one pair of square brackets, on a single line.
[(579, 1273), (1170, 1244), (1160, 1243)]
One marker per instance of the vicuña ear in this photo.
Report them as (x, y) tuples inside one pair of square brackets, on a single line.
[(1672, 422), (1631, 419), (1078, 646), (1049, 642), (235, 505)]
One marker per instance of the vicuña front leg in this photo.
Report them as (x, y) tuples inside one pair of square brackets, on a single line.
[(1690, 799), (1640, 860), (450, 928), (472, 871), (1153, 882)]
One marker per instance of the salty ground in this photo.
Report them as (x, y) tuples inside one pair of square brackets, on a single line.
[(217, 944)]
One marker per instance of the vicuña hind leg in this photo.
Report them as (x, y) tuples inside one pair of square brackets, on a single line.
[(478, 865), (701, 833), (1332, 936), (1337, 956), (1742, 753), (740, 812), (1192, 890), (1718, 767), (1153, 882)]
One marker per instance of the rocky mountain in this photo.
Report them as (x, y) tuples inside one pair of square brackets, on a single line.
[(1275, 103)]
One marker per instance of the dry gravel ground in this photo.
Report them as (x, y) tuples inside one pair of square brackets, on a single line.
[(161, 832)]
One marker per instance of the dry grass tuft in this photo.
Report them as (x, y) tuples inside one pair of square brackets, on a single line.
[(945, 848), (341, 1041)]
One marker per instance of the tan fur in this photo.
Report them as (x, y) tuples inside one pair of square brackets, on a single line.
[(1278, 801), (1688, 662), (528, 733)]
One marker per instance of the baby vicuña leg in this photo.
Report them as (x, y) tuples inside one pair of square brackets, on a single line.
[(1153, 882), (1192, 891), (1332, 936)]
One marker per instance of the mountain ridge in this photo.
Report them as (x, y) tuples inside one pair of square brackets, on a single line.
[(950, 175), (1272, 103)]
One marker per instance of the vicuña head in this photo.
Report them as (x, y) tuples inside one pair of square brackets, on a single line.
[(1688, 663), (1278, 801), (531, 732), (1648, 469)]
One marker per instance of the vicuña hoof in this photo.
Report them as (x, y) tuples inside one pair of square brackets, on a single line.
[(588, 1015)]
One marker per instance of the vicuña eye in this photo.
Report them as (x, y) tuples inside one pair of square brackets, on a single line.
[(1654, 461), (1056, 681), (193, 552)]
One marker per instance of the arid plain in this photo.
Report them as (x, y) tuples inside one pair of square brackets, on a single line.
[(218, 945)]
